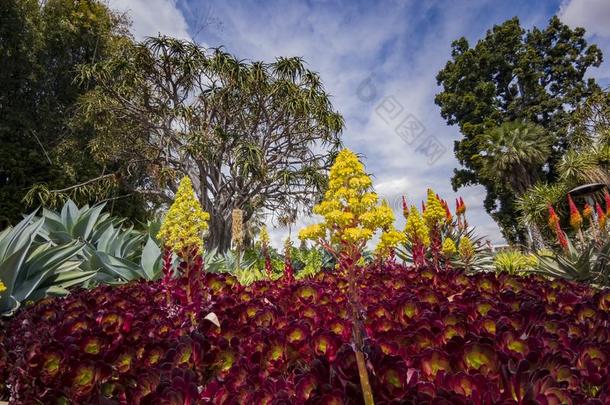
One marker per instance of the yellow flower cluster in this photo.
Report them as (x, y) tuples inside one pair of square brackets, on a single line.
[(435, 212), (466, 248), (388, 241), (185, 221), (263, 236), (416, 228), (448, 248), (350, 209), (2, 286)]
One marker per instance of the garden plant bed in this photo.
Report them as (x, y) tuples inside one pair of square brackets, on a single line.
[(433, 338)]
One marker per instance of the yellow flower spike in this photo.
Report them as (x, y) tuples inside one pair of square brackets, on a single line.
[(416, 229), (350, 209), (435, 211), (388, 241), (263, 236), (448, 248), (466, 248), (183, 226), (2, 286)]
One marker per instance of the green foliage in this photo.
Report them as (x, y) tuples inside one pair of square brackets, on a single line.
[(514, 151), (307, 262), (514, 75), (514, 262), (31, 270), (41, 46)]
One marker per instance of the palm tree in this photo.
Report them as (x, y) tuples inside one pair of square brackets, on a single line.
[(515, 153)]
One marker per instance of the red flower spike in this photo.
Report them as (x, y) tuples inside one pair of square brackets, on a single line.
[(405, 207), (601, 216), (553, 218), (607, 200), (575, 218), (462, 206)]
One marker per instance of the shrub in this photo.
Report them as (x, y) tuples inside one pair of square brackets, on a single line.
[(433, 337)]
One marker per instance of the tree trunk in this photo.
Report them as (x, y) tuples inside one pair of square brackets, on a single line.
[(220, 233)]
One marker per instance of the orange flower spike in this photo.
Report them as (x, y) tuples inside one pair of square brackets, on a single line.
[(447, 212), (553, 218), (587, 212), (575, 217), (601, 217), (460, 206)]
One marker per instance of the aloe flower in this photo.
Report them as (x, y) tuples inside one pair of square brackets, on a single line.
[(553, 218), (575, 217), (601, 217), (237, 228), (263, 237), (405, 207)]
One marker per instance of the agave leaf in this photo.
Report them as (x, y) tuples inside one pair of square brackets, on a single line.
[(150, 261), (47, 257), (8, 305), (69, 214), (86, 222), (108, 234), (124, 269), (44, 267), (20, 239), (14, 238)]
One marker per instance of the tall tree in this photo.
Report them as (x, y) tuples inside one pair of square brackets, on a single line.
[(41, 46), (252, 136), (514, 75)]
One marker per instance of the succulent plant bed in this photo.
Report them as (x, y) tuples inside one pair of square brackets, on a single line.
[(442, 338)]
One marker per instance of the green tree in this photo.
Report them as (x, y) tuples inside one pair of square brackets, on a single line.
[(41, 46), (514, 75), (251, 135)]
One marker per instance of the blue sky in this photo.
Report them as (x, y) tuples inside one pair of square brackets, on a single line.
[(378, 60)]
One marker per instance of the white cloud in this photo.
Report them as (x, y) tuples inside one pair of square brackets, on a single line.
[(593, 15), (153, 17)]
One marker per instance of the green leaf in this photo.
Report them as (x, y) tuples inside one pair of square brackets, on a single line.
[(151, 259)]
